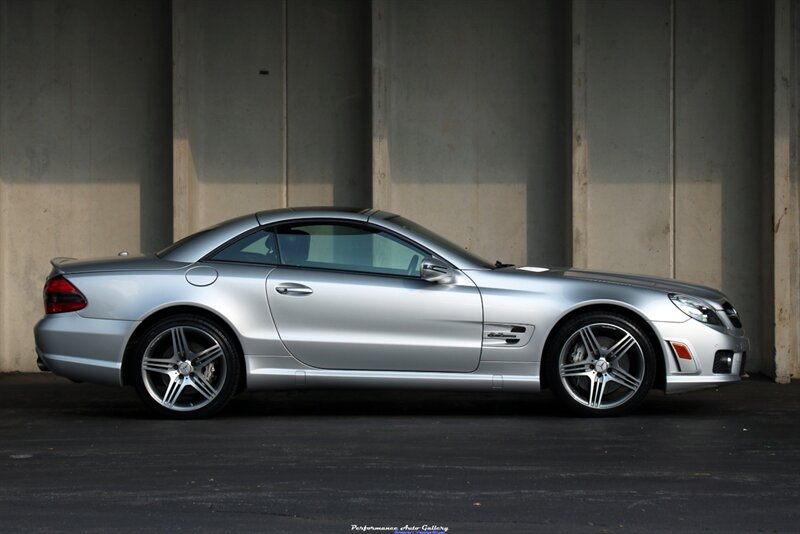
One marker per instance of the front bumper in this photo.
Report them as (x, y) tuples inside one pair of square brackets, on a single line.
[(704, 343), (81, 348)]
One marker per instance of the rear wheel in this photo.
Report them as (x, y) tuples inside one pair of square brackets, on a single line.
[(600, 364), (186, 367)]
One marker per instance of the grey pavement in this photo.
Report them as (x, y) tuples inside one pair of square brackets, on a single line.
[(79, 457)]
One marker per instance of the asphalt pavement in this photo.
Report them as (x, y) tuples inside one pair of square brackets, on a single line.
[(79, 457)]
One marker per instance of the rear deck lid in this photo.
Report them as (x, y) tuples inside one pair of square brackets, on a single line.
[(113, 264)]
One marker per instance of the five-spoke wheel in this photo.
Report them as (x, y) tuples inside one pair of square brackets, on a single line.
[(186, 367), (600, 364)]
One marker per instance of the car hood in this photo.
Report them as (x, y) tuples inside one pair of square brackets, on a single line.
[(646, 282)]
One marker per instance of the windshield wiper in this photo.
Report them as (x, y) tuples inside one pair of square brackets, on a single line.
[(499, 264)]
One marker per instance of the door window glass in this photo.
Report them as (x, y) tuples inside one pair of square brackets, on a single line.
[(347, 247), (258, 247)]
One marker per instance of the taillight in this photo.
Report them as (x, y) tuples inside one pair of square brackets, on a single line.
[(61, 296)]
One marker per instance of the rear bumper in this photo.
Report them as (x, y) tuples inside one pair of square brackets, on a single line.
[(82, 349), (704, 343), (40, 363)]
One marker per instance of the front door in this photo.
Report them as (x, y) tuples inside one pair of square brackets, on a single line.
[(349, 296)]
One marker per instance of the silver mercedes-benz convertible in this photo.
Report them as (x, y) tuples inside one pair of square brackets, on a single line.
[(323, 297)]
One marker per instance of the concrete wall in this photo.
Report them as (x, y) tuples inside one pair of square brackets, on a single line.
[(329, 103), (84, 145), (656, 136), (626, 136), (271, 106), (670, 122), (229, 118), (718, 172), (785, 44), (790, 363), (474, 123)]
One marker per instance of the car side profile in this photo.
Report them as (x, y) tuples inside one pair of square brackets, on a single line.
[(324, 297)]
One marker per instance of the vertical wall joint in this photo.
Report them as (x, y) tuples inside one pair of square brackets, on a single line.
[(580, 192), (381, 171), (785, 200)]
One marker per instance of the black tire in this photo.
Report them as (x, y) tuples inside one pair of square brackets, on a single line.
[(185, 367), (600, 364)]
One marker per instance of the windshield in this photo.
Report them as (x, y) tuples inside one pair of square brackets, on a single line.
[(440, 241)]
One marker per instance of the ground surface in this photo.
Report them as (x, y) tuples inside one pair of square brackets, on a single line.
[(82, 457)]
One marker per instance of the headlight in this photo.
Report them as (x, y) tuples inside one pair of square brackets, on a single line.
[(696, 309)]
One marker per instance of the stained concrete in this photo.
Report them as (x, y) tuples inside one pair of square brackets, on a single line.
[(718, 180), (481, 160), (85, 150), (229, 125), (627, 113), (786, 168), (683, 136), (668, 175), (77, 457), (328, 103), (272, 107)]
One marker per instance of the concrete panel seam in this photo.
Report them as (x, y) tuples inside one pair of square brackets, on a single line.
[(785, 213), (580, 193)]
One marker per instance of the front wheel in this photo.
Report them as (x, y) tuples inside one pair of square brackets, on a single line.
[(600, 364), (186, 367)]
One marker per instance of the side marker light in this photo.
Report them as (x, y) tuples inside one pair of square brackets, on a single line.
[(681, 350)]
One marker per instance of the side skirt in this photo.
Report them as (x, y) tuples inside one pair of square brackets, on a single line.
[(265, 378)]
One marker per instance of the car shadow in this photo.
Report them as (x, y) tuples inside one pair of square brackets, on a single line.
[(388, 403), (59, 397)]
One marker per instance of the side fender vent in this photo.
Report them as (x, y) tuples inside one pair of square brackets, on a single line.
[(506, 335)]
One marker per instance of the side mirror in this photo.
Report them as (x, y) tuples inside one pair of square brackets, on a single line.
[(435, 270)]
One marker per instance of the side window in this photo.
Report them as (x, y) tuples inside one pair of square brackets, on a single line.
[(347, 247), (258, 247)]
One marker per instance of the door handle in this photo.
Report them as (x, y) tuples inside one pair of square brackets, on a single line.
[(294, 289)]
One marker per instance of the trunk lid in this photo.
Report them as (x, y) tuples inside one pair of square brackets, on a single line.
[(64, 265)]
